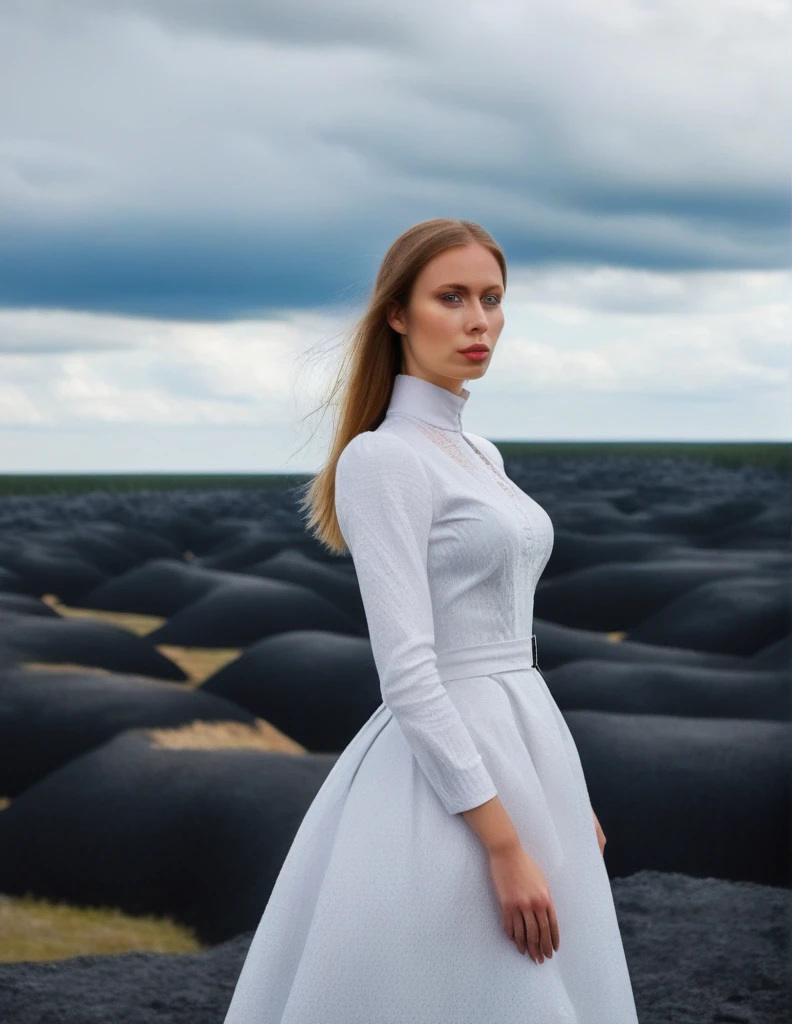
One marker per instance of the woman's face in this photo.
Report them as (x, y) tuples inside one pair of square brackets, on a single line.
[(456, 302)]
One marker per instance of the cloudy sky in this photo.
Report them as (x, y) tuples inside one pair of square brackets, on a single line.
[(195, 196)]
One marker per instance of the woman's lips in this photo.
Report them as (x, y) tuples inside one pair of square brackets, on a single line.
[(476, 355)]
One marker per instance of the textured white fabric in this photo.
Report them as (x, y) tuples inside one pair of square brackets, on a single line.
[(384, 911)]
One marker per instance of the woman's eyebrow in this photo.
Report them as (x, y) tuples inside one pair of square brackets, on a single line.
[(464, 288)]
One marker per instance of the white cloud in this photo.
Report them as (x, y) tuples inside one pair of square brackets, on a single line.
[(147, 371), (579, 330), (42, 331), (16, 406), (621, 331)]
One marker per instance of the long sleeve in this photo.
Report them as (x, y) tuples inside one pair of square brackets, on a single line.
[(384, 507)]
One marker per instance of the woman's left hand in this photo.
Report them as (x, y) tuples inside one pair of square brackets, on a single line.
[(600, 834)]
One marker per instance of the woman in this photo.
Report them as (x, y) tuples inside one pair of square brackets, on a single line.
[(454, 832)]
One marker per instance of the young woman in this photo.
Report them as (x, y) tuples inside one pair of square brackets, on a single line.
[(454, 833)]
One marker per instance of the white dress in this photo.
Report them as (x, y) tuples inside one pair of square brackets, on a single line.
[(384, 911)]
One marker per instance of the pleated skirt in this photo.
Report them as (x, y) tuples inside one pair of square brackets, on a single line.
[(384, 911)]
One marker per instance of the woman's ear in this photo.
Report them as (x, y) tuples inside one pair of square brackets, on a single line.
[(395, 317)]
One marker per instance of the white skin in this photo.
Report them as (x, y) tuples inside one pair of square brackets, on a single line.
[(457, 299)]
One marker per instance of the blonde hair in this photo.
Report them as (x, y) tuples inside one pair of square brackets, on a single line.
[(373, 358)]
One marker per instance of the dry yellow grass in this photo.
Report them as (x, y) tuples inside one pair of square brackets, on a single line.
[(226, 735), (63, 666), (199, 662), (36, 929), (139, 624)]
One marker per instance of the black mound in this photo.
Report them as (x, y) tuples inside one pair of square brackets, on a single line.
[(767, 530), (621, 596), (161, 587), (255, 544), (83, 642), (48, 718), (559, 644), (575, 551), (10, 583), (595, 515), (196, 835), (117, 547), (735, 616), (218, 537), (206, 536), (317, 687), (703, 517), (100, 546), (24, 604), (695, 795), (661, 689), (339, 588), (240, 613), (775, 656), (47, 568)]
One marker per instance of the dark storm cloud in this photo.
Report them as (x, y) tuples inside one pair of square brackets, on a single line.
[(179, 273)]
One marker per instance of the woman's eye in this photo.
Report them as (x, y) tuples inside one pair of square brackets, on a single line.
[(495, 303)]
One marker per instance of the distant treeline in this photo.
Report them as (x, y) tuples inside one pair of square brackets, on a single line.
[(771, 455)]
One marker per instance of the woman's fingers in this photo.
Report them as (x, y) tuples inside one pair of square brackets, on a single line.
[(541, 929), (545, 936), (555, 937), (518, 927), (524, 928), (529, 918), (533, 932)]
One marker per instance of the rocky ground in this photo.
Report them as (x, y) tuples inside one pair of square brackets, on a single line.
[(700, 951)]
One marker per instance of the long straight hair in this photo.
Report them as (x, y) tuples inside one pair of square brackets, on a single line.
[(364, 381)]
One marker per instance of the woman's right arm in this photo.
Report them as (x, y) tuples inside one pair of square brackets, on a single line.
[(529, 916), (384, 504), (383, 501), (492, 824)]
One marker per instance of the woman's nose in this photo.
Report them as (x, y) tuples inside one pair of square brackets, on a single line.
[(479, 318)]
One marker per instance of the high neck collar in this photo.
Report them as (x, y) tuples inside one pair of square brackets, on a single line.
[(426, 401)]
